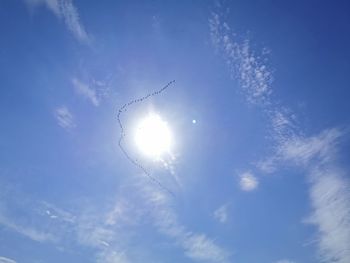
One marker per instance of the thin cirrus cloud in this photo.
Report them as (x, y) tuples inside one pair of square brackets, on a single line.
[(254, 76), (221, 214), (196, 246), (64, 118), (330, 195), (6, 260), (112, 257), (14, 224), (110, 233), (115, 228), (285, 261), (248, 182), (329, 189), (50, 224), (86, 91), (106, 231), (27, 231), (329, 192), (96, 230), (66, 11)]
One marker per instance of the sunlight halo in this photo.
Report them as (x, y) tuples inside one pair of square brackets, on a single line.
[(153, 136)]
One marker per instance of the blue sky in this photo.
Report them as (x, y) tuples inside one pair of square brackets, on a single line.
[(262, 175)]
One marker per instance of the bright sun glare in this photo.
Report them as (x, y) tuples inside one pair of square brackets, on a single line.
[(153, 136)]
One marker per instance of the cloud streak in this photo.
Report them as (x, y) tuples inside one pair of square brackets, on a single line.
[(196, 246), (15, 224), (51, 225), (250, 70), (64, 118), (255, 77), (26, 231), (329, 191), (86, 91), (66, 11), (221, 214), (329, 188), (330, 196), (6, 260), (285, 261)]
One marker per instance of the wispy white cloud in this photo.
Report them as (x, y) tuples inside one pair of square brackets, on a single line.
[(54, 212), (123, 212), (27, 231), (64, 117), (329, 191), (330, 196), (283, 123), (22, 223), (66, 11), (221, 214), (94, 234), (197, 246), (329, 188), (86, 91), (321, 148), (6, 260), (250, 68), (44, 222), (248, 182), (285, 261), (92, 230), (110, 231), (112, 257), (302, 150)]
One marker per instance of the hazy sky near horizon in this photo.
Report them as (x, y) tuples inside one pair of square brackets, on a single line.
[(259, 114)]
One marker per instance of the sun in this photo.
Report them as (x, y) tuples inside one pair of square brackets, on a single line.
[(153, 136)]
